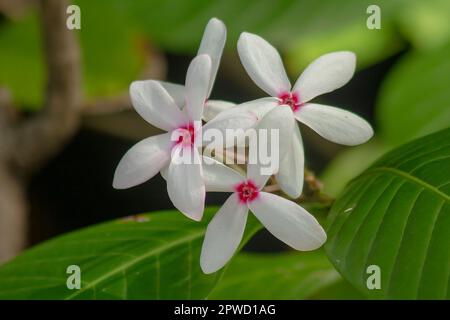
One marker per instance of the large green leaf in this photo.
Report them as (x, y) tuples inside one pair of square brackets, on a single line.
[(153, 256), (396, 215), (415, 98), (306, 275)]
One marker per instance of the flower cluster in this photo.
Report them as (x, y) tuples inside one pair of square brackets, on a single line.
[(186, 113)]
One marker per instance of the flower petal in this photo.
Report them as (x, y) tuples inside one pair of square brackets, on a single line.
[(142, 161), (260, 107), (281, 119), (155, 105), (335, 124), (212, 44), (325, 74), (233, 120), (263, 64), (214, 107), (163, 171), (223, 235), (197, 84), (288, 222), (176, 91), (185, 183), (291, 174), (218, 177)]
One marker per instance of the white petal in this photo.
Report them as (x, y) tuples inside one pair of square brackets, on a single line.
[(155, 105), (142, 161), (197, 83), (325, 74), (163, 171), (288, 222), (223, 235), (218, 177), (185, 184), (212, 44), (233, 120), (214, 107), (281, 119), (291, 174), (335, 124), (263, 64), (176, 91), (260, 107)]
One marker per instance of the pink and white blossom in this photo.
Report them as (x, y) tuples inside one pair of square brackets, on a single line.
[(325, 74), (283, 218), (145, 159)]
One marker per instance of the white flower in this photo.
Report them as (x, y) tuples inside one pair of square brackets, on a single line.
[(185, 184), (212, 44), (283, 218), (327, 73)]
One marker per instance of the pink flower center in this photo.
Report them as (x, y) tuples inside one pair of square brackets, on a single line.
[(290, 99), (186, 135), (247, 191)]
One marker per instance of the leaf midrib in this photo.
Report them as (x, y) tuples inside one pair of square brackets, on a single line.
[(130, 263), (411, 178)]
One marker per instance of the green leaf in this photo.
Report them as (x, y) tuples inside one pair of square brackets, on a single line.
[(152, 256), (415, 99), (306, 275), (396, 215)]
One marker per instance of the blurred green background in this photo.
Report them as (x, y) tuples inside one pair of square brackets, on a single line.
[(401, 86)]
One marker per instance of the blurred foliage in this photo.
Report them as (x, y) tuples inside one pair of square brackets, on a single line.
[(414, 100), (112, 54), (298, 276), (426, 24), (301, 28), (21, 67), (115, 33), (415, 97), (346, 165), (396, 215)]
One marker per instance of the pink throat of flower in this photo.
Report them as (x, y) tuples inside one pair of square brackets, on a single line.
[(247, 191), (186, 135), (291, 99)]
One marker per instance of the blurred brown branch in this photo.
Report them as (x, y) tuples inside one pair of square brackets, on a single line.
[(28, 142)]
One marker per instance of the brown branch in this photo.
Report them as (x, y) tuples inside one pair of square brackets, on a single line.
[(25, 145), (40, 137)]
